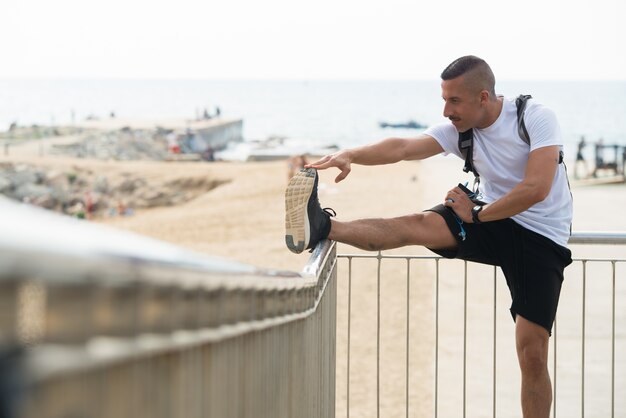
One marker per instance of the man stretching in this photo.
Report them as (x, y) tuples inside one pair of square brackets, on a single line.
[(519, 219)]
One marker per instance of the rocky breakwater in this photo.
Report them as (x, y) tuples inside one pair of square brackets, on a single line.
[(82, 192), (122, 145)]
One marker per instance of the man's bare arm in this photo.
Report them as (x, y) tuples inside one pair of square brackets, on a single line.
[(540, 172), (387, 151)]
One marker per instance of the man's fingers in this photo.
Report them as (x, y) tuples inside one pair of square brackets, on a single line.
[(344, 173), (453, 196), (320, 164), (332, 160)]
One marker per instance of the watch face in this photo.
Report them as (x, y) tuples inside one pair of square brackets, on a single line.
[(475, 211)]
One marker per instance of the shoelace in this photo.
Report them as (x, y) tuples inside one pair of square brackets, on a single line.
[(330, 212)]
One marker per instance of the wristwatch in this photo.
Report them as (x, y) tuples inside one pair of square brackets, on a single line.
[(475, 211)]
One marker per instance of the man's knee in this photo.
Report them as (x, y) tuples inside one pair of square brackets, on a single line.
[(532, 359), (429, 229), (410, 228)]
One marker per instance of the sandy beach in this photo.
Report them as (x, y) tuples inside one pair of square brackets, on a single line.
[(243, 219)]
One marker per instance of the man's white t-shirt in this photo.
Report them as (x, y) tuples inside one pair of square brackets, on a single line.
[(500, 157)]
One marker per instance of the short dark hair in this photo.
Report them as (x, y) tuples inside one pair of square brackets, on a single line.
[(460, 66), (483, 76)]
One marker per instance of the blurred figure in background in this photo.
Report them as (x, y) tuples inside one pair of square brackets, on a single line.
[(294, 164), (580, 159), (599, 157)]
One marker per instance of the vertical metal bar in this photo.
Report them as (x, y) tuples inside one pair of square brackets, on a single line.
[(349, 315), (408, 291), (495, 289), (613, 342), (554, 373), (582, 388), (464, 338), (436, 335), (378, 339)]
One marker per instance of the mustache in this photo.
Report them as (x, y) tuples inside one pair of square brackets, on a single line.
[(454, 118)]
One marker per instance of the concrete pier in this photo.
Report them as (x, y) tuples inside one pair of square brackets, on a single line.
[(215, 132)]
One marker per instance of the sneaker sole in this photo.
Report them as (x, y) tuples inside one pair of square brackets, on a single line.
[(297, 196)]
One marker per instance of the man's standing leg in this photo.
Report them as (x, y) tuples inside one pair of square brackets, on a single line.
[(532, 343)]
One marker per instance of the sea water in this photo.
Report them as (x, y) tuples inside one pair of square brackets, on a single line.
[(345, 113)]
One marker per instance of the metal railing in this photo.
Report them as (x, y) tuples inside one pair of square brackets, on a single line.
[(96, 322), (101, 323), (453, 359)]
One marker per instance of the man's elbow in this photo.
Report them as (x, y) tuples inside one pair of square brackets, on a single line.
[(539, 193)]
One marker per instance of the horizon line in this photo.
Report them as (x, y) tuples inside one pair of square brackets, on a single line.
[(283, 79)]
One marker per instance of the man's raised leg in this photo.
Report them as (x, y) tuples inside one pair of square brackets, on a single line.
[(306, 223), (427, 228)]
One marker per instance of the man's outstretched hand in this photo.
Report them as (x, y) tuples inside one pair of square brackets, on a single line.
[(341, 160)]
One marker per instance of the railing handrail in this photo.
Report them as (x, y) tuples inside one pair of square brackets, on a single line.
[(598, 238), (319, 255), (30, 230), (157, 287)]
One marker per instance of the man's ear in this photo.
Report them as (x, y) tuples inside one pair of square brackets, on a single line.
[(484, 97)]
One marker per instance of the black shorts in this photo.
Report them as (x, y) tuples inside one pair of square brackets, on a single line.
[(532, 264)]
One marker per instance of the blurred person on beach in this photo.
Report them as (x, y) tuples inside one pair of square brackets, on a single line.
[(518, 217), (599, 148), (294, 164), (580, 158)]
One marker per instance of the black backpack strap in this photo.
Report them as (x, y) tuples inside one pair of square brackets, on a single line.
[(520, 103), (466, 139), (466, 147)]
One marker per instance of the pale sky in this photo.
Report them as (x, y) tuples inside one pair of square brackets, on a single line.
[(315, 39)]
